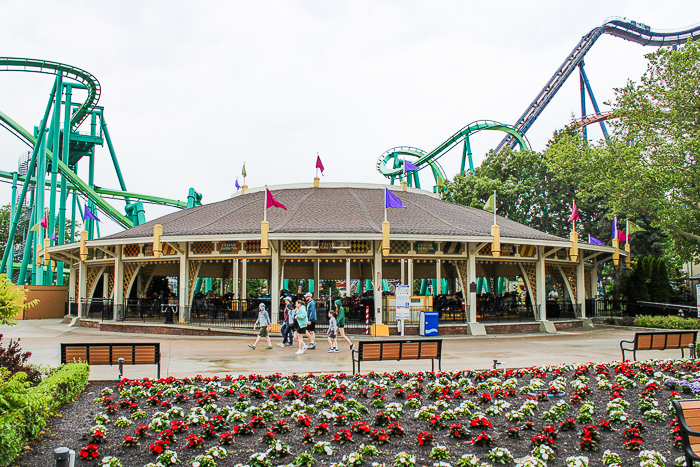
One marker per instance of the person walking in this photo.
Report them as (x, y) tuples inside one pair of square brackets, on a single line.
[(332, 332), (264, 321), (340, 313), (288, 326), (311, 314), (301, 323)]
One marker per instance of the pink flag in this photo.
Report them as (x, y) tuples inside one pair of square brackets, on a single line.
[(319, 164), (621, 236), (574, 213), (271, 201), (44, 222)]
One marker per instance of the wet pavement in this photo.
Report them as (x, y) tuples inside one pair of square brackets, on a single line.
[(196, 355)]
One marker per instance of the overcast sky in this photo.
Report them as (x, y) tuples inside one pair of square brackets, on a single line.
[(191, 90)]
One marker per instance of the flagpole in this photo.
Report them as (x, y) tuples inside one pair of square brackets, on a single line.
[(495, 208), (265, 208), (317, 156), (627, 231)]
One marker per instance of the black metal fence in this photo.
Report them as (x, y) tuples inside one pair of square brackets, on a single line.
[(628, 309), (449, 310)]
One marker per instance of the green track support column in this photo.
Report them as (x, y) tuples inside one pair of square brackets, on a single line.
[(286, 284), (501, 281), (74, 203), (444, 286), (25, 186), (208, 284), (423, 287), (467, 153), (11, 240), (115, 162), (198, 285), (90, 223), (193, 198), (385, 285), (51, 221), (310, 282), (65, 155)]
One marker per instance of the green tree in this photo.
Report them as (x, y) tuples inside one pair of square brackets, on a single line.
[(12, 301), (649, 164)]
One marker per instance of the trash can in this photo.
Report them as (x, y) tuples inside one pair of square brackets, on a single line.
[(429, 323)]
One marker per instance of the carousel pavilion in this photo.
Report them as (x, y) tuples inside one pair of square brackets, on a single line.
[(337, 232)]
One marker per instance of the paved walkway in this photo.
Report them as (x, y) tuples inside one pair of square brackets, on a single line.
[(194, 355)]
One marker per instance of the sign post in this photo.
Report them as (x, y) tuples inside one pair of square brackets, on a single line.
[(403, 306), (697, 289)]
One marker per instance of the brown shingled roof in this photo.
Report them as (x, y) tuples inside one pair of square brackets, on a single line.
[(342, 210)]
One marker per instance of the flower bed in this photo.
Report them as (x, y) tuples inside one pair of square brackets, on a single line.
[(610, 413)]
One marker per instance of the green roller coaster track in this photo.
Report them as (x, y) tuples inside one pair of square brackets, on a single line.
[(56, 148), (390, 164)]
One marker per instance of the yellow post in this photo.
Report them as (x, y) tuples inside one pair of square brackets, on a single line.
[(244, 188), (317, 181), (157, 245), (386, 247), (47, 256), (573, 236), (616, 255), (628, 260), (496, 245), (39, 247), (83, 246), (404, 185), (264, 229)]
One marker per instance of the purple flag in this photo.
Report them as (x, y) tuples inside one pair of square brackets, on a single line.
[(392, 201), (53, 236), (89, 214), (594, 241), (614, 228), (408, 167), (238, 187)]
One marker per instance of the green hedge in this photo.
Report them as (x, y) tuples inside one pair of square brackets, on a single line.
[(25, 409), (666, 322)]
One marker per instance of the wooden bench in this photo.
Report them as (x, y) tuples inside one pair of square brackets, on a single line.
[(659, 341), (688, 413), (374, 351), (138, 353)]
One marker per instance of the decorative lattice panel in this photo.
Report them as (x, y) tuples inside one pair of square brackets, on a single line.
[(400, 247), (452, 248), (193, 267), (252, 246), (110, 284), (148, 249), (530, 270), (490, 271), (486, 250), (203, 248), (146, 272), (360, 246), (292, 246), (130, 270), (93, 275), (462, 269), (132, 251), (569, 274)]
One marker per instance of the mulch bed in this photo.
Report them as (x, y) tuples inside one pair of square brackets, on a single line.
[(474, 391)]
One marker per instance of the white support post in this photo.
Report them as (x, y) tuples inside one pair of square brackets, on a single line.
[(377, 281), (244, 280), (540, 272), (234, 288), (438, 277), (183, 284), (594, 280), (82, 286), (471, 278), (118, 277), (403, 271), (410, 275), (71, 281), (348, 280), (581, 285), (275, 281), (317, 279)]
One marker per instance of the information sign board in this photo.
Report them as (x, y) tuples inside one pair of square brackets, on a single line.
[(403, 302)]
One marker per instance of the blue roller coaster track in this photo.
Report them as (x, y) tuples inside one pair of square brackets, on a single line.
[(615, 26)]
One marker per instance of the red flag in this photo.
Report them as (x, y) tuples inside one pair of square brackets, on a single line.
[(44, 222), (319, 164), (621, 236), (271, 201), (574, 213)]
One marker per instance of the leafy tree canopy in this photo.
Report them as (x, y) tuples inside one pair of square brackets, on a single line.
[(649, 165)]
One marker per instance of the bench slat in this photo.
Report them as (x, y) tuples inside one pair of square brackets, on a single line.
[(685, 405)]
